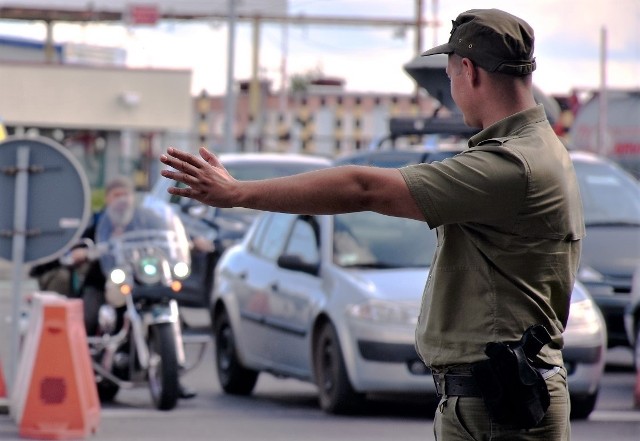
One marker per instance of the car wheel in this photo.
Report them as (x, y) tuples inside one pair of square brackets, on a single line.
[(233, 377), (583, 405), (336, 395)]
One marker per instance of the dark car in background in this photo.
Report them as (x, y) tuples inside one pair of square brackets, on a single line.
[(212, 229), (632, 322), (611, 248)]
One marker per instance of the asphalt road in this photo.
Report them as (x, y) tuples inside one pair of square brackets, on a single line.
[(282, 410)]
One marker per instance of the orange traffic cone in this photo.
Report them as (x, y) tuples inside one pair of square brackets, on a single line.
[(55, 395)]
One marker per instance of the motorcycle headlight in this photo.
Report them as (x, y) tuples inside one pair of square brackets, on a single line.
[(181, 270), (385, 312), (149, 271), (118, 276)]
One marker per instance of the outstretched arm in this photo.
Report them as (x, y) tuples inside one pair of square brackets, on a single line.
[(327, 191)]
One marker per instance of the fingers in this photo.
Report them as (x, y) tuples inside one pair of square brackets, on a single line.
[(198, 174), (186, 164), (209, 157), (180, 160)]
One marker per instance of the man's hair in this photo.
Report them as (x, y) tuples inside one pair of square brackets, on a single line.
[(119, 182)]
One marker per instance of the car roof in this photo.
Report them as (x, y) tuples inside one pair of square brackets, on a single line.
[(230, 158), (399, 157), (585, 156)]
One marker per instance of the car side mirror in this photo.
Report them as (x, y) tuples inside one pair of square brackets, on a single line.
[(293, 262)]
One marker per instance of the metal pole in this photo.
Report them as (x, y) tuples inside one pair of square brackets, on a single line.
[(435, 22), (255, 89), (418, 41), (49, 45), (283, 69), (602, 147), (17, 250), (229, 107)]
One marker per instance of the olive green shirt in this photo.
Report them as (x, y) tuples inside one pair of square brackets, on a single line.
[(509, 222)]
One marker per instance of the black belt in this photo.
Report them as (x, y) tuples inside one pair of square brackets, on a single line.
[(452, 384)]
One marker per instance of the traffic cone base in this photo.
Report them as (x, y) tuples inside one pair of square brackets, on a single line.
[(55, 395)]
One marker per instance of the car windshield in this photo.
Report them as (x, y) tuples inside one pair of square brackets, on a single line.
[(245, 171), (252, 171), (609, 195), (371, 240)]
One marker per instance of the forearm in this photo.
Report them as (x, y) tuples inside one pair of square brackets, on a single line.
[(327, 191)]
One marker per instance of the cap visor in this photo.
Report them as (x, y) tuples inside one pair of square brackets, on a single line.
[(442, 49)]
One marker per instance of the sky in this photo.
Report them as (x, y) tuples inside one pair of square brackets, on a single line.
[(568, 43)]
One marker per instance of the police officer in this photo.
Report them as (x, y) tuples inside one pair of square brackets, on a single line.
[(507, 212)]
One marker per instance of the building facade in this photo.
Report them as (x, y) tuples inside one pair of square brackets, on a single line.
[(118, 120)]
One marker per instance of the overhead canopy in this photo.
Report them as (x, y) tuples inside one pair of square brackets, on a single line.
[(115, 10)]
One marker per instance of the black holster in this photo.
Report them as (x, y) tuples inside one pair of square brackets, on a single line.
[(513, 390)]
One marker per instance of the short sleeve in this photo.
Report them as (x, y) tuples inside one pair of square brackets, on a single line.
[(475, 186)]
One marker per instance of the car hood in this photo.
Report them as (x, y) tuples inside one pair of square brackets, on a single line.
[(612, 250), (392, 284)]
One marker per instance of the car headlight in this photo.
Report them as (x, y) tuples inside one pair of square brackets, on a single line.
[(385, 312), (583, 315), (586, 274)]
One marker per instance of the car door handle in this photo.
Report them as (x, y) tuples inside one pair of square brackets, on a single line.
[(274, 286), (242, 275)]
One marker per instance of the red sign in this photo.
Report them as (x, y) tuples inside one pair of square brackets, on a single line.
[(144, 14)]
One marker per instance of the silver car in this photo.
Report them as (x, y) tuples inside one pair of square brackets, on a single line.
[(334, 300)]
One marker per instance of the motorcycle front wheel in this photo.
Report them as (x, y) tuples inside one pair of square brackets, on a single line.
[(163, 367)]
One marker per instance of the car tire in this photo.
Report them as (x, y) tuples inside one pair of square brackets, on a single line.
[(335, 393), (583, 405), (234, 378)]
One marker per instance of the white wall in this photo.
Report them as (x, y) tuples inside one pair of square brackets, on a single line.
[(49, 95)]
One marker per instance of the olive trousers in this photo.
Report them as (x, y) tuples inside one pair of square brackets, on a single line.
[(466, 418)]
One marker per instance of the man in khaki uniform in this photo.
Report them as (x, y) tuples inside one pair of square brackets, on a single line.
[(507, 212)]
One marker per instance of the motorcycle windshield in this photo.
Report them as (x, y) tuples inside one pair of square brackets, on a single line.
[(125, 235)]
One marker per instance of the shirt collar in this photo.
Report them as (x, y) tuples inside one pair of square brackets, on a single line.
[(510, 125)]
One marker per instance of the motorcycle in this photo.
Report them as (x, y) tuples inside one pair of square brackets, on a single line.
[(139, 337)]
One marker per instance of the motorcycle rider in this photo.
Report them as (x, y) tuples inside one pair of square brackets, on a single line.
[(119, 214)]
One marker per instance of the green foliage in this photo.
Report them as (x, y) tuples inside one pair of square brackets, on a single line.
[(97, 199)]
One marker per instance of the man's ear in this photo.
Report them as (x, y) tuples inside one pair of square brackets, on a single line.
[(470, 71)]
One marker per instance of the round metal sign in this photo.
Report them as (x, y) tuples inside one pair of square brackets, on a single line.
[(56, 193)]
